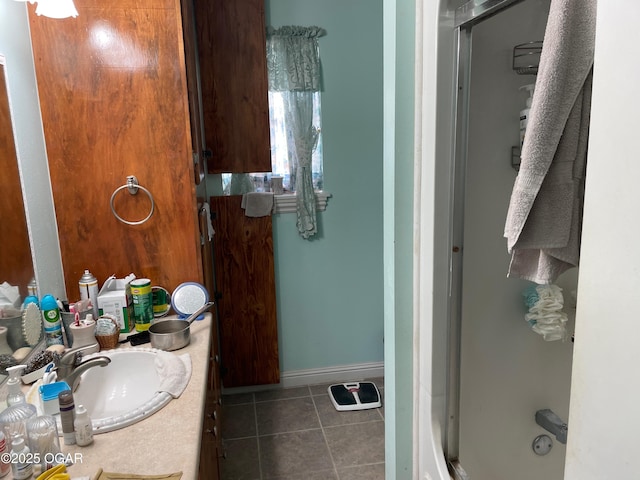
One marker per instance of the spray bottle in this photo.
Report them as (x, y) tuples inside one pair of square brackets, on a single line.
[(51, 321), (89, 290), (14, 390), (524, 113)]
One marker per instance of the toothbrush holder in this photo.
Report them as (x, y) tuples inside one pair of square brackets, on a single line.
[(84, 334), (68, 320)]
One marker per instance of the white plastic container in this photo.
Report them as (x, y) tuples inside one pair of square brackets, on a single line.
[(49, 396), (21, 468), (83, 427), (524, 113)]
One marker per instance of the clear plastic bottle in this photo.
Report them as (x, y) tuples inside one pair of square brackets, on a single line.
[(42, 435), (15, 394), (83, 427), (21, 468)]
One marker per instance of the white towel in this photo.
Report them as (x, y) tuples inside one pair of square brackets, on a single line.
[(210, 230), (544, 221), (257, 204), (174, 371)]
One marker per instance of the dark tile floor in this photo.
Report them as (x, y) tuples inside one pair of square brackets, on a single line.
[(296, 433)]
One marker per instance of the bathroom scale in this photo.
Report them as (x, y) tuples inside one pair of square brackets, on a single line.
[(354, 396)]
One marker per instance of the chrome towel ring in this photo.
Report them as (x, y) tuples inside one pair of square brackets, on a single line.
[(132, 185)]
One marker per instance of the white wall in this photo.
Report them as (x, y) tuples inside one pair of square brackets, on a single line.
[(604, 415)]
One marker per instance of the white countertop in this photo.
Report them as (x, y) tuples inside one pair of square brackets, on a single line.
[(167, 441)]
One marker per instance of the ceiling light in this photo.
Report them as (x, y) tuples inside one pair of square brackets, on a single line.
[(56, 8)]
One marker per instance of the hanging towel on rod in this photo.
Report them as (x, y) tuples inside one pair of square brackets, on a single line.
[(544, 220)]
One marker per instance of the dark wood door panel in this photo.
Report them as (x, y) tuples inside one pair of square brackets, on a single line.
[(247, 307), (233, 72)]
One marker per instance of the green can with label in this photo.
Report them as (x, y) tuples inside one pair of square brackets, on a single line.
[(142, 303)]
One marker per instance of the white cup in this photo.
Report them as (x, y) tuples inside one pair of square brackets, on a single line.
[(276, 185)]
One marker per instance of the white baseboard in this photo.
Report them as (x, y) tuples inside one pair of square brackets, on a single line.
[(314, 376), (342, 373)]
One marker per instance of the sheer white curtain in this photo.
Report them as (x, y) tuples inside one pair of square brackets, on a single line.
[(293, 65)]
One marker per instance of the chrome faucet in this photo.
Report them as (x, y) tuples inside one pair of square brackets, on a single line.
[(70, 370), (553, 424)]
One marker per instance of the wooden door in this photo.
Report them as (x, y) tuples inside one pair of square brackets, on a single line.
[(233, 72), (113, 95), (193, 86), (244, 268)]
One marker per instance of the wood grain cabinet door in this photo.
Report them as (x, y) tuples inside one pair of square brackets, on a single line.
[(245, 279), (233, 71), (114, 101)]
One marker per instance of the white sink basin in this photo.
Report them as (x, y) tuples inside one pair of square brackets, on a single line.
[(125, 391)]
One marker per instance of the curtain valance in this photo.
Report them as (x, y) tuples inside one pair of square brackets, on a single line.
[(293, 58)]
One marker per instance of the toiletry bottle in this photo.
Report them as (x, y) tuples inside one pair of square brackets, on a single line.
[(14, 385), (30, 299), (5, 467), (83, 427), (32, 288), (51, 321), (67, 416), (524, 113), (20, 467), (89, 289)]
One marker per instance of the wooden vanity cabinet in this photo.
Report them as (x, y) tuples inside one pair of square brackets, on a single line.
[(211, 448)]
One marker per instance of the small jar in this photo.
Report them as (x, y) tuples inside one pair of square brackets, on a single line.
[(42, 434)]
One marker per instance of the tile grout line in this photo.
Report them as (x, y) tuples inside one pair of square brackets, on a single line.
[(255, 416), (324, 436)]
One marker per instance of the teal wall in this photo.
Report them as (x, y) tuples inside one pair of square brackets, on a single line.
[(330, 289)]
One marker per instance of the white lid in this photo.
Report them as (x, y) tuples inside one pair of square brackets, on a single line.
[(17, 443), (80, 410)]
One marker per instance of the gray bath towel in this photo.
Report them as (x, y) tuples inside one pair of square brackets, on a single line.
[(544, 220)]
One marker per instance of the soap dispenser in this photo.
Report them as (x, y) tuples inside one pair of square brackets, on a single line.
[(14, 385), (524, 113)]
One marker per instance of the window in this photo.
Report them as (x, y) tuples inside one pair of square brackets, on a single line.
[(293, 68), (280, 142), (280, 166)]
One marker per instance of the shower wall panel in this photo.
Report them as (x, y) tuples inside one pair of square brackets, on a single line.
[(507, 371)]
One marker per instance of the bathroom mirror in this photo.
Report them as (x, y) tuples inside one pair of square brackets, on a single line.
[(25, 124), (16, 264)]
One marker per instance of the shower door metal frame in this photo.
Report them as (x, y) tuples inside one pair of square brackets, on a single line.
[(466, 16)]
